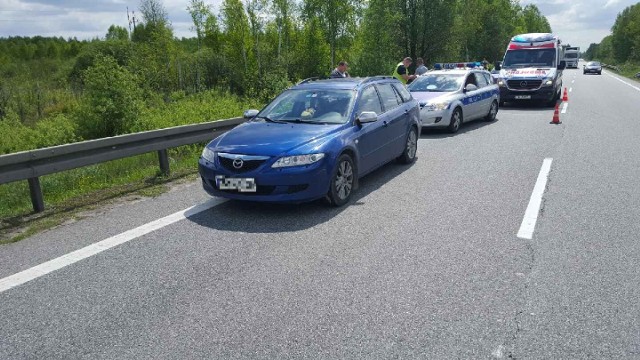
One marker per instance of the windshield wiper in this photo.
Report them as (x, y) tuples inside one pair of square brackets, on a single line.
[(271, 120), (306, 121)]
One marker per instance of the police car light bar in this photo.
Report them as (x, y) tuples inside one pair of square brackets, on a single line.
[(461, 65)]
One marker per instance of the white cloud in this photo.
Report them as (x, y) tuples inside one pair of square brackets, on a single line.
[(580, 22), (84, 19), (611, 3)]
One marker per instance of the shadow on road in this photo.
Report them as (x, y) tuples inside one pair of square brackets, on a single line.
[(528, 106), (255, 217), (436, 133)]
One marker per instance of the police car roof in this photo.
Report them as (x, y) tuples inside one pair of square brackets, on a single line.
[(460, 71)]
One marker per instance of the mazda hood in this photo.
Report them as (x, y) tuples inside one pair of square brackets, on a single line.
[(271, 139)]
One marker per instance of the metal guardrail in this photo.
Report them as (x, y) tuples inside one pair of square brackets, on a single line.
[(611, 67), (30, 165)]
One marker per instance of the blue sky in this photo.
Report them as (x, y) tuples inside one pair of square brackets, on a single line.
[(578, 22)]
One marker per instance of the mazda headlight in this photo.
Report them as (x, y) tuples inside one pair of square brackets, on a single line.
[(297, 160), (208, 154)]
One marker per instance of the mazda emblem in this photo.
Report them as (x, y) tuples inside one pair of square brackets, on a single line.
[(237, 163), (523, 84)]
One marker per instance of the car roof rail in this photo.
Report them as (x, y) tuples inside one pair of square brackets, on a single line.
[(311, 79), (374, 78)]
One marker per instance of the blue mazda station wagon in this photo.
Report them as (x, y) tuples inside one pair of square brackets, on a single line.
[(315, 140)]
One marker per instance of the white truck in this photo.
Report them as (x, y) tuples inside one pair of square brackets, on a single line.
[(571, 55)]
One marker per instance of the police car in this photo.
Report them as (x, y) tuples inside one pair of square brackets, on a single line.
[(454, 93)]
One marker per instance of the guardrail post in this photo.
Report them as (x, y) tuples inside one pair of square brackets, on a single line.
[(36, 194), (163, 156)]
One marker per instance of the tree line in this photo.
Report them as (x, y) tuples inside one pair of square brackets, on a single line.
[(623, 44), (250, 48)]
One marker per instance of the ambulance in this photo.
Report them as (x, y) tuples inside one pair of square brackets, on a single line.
[(531, 69)]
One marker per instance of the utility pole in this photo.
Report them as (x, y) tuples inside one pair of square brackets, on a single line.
[(129, 20)]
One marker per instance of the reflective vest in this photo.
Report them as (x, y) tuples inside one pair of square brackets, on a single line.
[(398, 76)]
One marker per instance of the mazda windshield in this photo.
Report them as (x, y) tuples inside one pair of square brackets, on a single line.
[(327, 106)]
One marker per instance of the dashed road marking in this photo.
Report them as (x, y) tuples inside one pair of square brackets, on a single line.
[(533, 209), (564, 107)]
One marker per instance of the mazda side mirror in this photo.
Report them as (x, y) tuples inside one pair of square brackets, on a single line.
[(367, 117), (250, 114)]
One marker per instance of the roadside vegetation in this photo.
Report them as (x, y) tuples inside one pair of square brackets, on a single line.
[(622, 47), (55, 91)]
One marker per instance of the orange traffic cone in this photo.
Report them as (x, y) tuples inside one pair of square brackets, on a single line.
[(556, 116), (565, 97)]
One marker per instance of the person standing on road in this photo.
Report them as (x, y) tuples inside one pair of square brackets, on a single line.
[(401, 72), (420, 69), (340, 71)]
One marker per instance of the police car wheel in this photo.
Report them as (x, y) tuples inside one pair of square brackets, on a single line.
[(493, 111), (456, 121)]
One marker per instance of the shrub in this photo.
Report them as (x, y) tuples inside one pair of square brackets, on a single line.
[(112, 102)]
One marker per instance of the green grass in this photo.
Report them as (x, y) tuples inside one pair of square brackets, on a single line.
[(68, 193), (629, 70)]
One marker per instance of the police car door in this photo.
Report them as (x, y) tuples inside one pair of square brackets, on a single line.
[(471, 100), (486, 96)]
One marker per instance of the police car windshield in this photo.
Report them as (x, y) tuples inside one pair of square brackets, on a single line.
[(310, 106), (529, 57), (437, 83)]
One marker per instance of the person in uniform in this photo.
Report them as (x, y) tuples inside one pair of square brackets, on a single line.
[(401, 72)]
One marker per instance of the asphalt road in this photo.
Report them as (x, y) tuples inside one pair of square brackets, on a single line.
[(424, 263)]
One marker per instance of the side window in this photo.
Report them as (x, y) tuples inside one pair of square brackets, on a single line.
[(369, 101), (481, 81), (471, 79), (388, 96), (404, 93), (488, 78)]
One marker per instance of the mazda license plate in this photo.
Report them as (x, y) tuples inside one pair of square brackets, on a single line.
[(239, 184), (523, 97)]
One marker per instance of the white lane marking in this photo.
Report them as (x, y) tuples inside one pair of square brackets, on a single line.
[(499, 352), (622, 81), (96, 248), (564, 107), (570, 89), (572, 81), (533, 209)]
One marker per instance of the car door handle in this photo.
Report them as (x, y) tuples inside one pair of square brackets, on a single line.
[(406, 111), (385, 123)]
